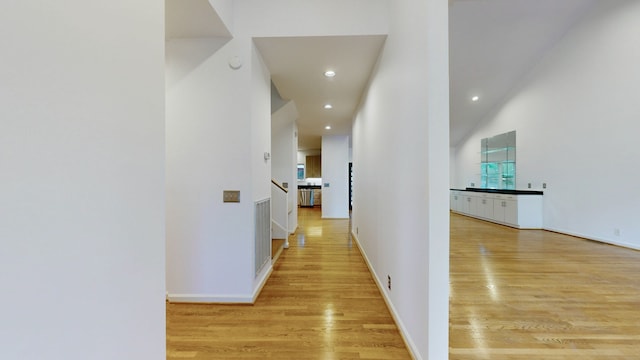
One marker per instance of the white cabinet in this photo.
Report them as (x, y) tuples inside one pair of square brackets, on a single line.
[(469, 205), (505, 209), (454, 206), (523, 211), (485, 206)]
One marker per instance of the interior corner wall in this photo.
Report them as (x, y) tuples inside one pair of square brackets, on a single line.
[(335, 174), (401, 173), (82, 159), (260, 125), (260, 144), (209, 149), (224, 9), (576, 118)]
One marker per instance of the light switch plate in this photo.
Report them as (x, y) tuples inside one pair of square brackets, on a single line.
[(326, 184), (231, 196)]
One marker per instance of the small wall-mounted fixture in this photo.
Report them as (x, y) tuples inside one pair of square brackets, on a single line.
[(231, 196), (267, 156), (235, 62)]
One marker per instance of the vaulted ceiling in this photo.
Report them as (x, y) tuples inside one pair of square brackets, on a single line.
[(493, 44)]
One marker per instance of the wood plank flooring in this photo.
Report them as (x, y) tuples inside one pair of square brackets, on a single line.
[(514, 295), (540, 295), (319, 303)]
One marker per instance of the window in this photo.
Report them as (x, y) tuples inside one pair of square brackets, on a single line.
[(498, 161)]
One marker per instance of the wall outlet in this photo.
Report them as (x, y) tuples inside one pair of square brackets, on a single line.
[(529, 185), (473, 184), (389, 282), (544, 185)]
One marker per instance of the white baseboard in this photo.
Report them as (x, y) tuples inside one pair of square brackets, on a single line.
[(264, 276), (210, 298), (224, 299), (593, 238), (413, 350)]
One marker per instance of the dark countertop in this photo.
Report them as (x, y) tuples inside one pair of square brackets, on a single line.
[(503, 191), (317, 187)]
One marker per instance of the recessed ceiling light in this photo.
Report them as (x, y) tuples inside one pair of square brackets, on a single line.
[(328, 106), (475, 98), (328, 127), (329, 73)]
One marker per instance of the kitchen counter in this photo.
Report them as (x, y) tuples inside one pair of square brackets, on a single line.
[(309, 195), (316, 187), (502, 191)]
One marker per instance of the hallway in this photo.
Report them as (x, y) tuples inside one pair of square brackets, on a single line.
[(319, 303)]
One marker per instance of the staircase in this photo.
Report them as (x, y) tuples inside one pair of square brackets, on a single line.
[(280, 208)]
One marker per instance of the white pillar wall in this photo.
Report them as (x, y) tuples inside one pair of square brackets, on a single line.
[(218, 129), (284, 155), (335, 177), (82, 180), (401, 173)]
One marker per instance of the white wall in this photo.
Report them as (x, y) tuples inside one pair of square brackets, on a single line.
[(577, 125), (284, 150), (311, 17), (82, 174), (224, 9), (218, 128), (335, 173), (401, 173)]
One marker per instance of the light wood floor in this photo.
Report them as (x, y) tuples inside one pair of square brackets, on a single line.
[(320, 303), (514, 295), (540, 295)]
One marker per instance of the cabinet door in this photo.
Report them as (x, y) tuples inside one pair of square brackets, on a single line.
[(457, 203), (485, 207), (498, 208), (505, 209), (471, 205), (314, 166), (511, 211), (317, 197), (453, 200)]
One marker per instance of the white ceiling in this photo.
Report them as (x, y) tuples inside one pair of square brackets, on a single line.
[(493, 44), (192, 19), (297, 66)]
